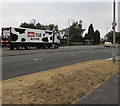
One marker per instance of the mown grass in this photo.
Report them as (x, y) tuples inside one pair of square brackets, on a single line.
[(62, 85)]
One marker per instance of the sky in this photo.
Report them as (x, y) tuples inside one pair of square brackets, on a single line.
[(58, 13)]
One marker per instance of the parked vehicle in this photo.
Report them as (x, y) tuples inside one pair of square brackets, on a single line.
[(108, 44), (26, 38)]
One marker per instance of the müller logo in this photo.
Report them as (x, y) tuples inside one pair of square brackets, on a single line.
[(31, 34)]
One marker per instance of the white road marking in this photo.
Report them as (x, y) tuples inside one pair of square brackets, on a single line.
[(92, 52), (116, 58), (109, 59), (38, 59), (72, 54), (35, 59), (41, 59)]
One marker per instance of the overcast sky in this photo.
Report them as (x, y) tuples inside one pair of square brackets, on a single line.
[(97, 13)]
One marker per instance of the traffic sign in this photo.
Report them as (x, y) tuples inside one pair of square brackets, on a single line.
[(114, 24)]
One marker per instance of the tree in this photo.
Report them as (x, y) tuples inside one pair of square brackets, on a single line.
[(39, 26), (31, 25), (27, 25), (92, 37), (109, 37), (118, 38), (86, 35), (96, 39), (91, 33), (24, 25), (76, 31)]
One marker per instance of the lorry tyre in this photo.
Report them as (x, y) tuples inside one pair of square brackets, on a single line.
[(44, 46), (27, 47), (49, 46), (19, 47), (56, 46), (38, 47), (11, 48)]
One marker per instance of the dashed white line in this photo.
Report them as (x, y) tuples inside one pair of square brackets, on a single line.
[(41, 59), (72, 54), (92, 52), (35, 59), (38, 59)]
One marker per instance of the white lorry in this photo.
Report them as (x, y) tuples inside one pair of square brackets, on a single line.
[(26, 38)]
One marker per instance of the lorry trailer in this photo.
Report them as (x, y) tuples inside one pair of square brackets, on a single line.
[(19, 38)]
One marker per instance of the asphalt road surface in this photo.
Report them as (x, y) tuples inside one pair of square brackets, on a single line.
[(7, 52), (32, 61)]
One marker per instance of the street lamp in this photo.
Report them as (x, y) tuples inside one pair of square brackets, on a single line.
[(68, 38), (113, 27)]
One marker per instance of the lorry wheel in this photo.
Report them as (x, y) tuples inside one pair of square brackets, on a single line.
[(3, 45), (19, 47), (11, 48), (49, 46), (44, 46), (38, 47), (27, 47), (56, 46)]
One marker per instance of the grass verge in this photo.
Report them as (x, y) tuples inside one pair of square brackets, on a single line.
[(62, 85)]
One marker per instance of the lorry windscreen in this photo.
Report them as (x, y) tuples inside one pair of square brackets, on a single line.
[(5, 34)]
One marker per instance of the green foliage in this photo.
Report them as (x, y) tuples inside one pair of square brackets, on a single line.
[(118, 38), (92, 37), (110, 37), (76, 31), (96, 39), (63, 41), (91, 33), (85, 37), (39, 26)]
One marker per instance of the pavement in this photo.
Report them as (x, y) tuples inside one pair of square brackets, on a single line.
[(107, 93)]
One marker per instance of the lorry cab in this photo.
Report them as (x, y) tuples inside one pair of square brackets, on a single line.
[(6, 39)]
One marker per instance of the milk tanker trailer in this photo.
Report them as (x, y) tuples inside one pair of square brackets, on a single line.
[(19, 38)]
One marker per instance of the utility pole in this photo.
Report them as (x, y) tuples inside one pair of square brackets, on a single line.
[(113, 27), (68, 38)]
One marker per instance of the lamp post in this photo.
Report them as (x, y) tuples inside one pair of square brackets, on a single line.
[(113, 27), (68, 38)]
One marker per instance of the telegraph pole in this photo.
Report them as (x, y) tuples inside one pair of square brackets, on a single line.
[(68, 38), (113, 27)]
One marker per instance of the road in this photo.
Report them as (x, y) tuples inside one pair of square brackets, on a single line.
[(40, 60), (7, 52)]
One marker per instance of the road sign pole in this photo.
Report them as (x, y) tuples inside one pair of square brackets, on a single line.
[(114, 31)]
